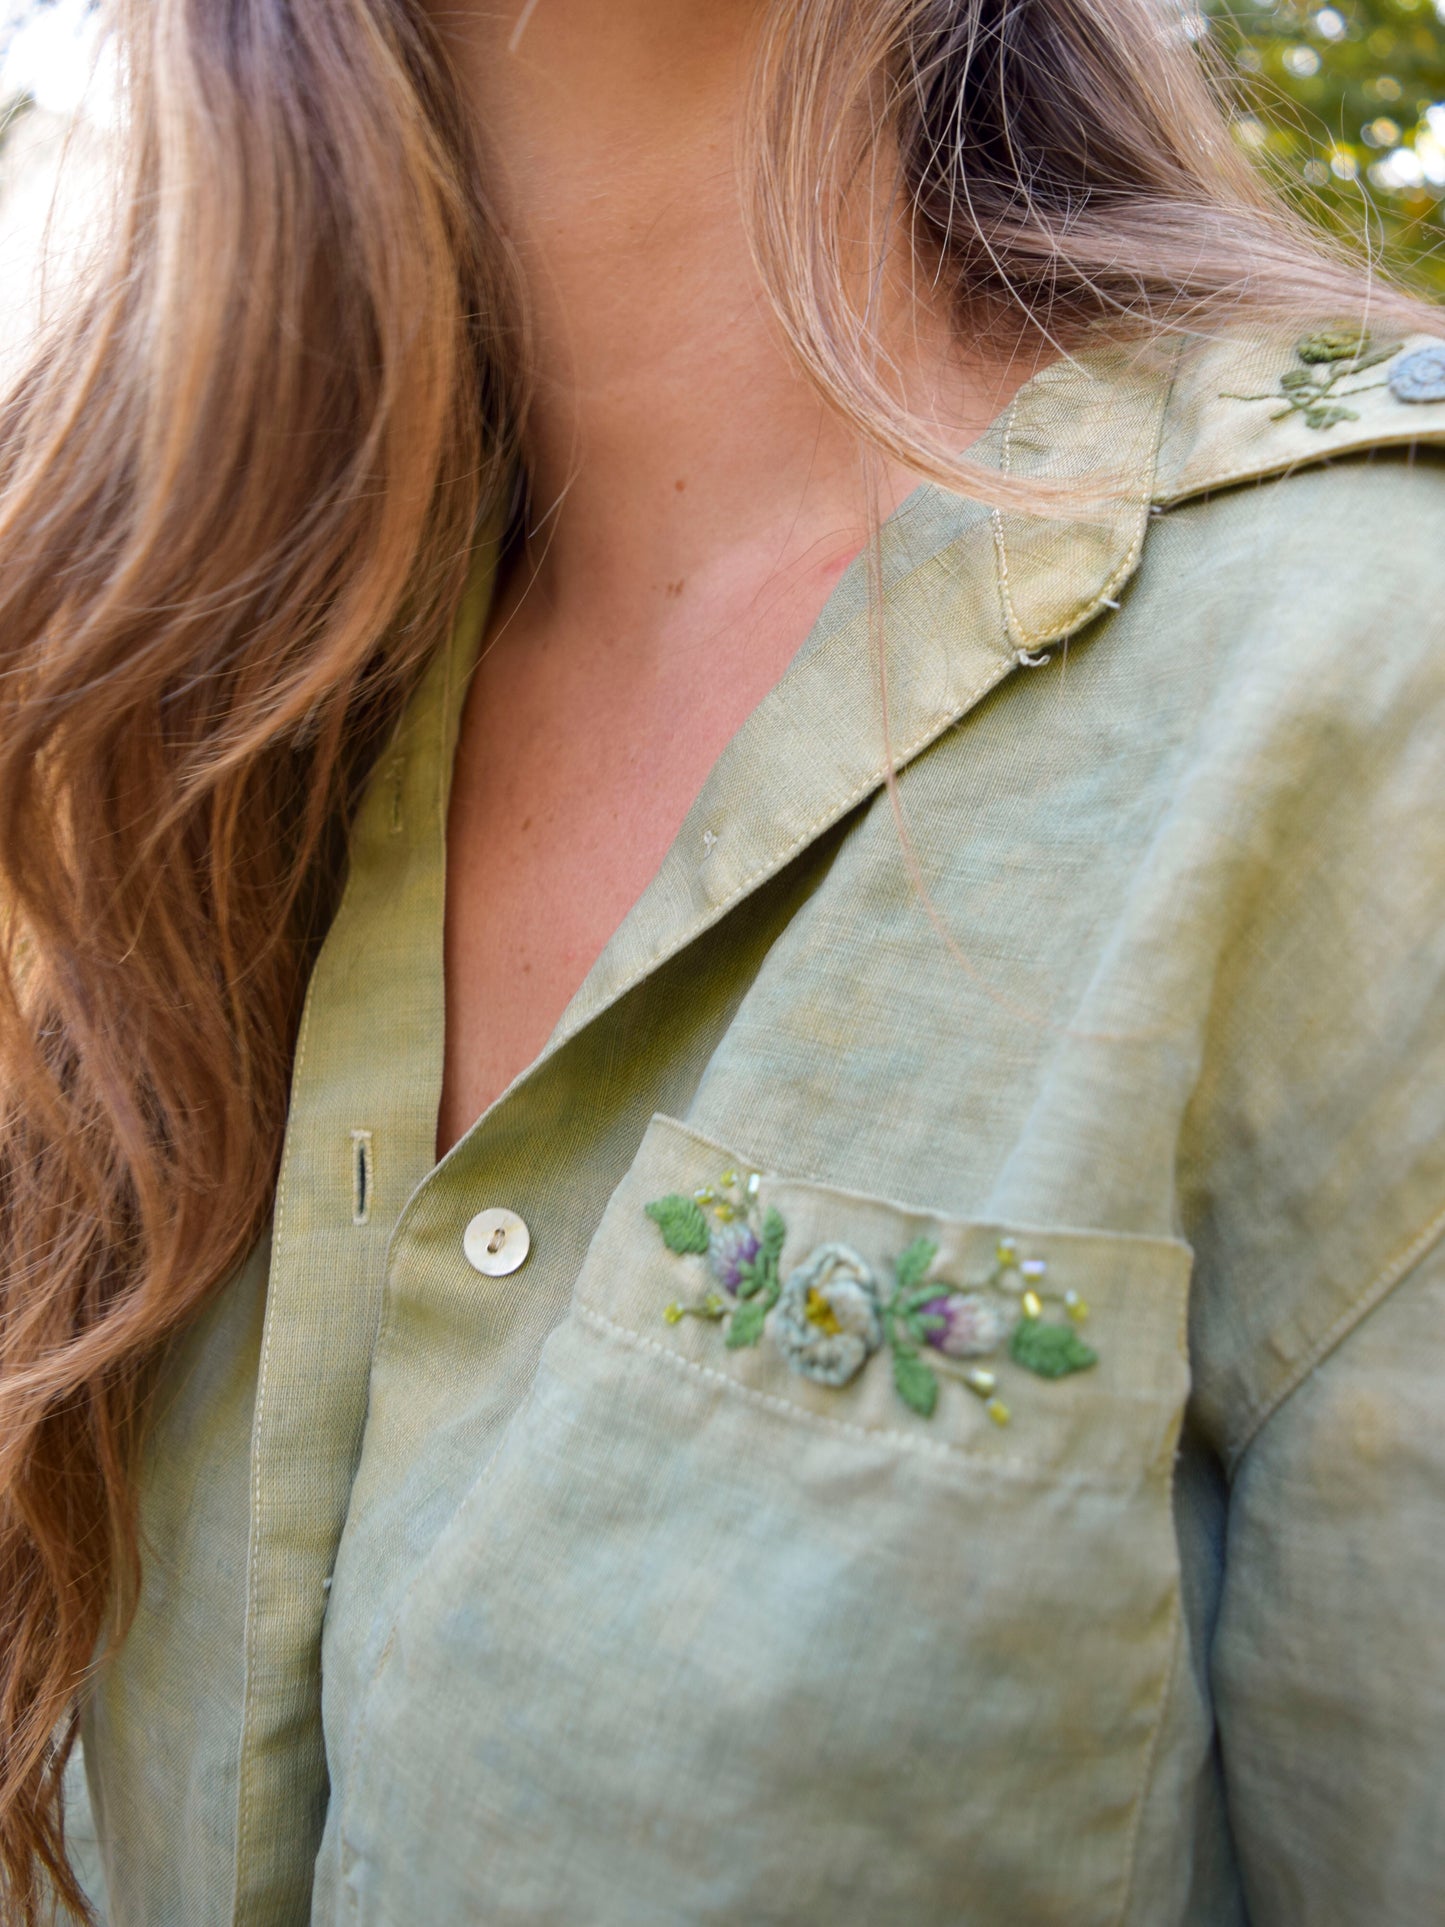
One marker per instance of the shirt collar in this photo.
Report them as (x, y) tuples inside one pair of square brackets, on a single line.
[(968, 594)]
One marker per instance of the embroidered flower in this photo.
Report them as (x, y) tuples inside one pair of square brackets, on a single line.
[(1420, 376), (965, 1324), (731, 1248), (827, 1320), (833, 1312)]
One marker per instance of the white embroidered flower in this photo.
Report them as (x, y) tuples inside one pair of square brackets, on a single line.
[(827, 1323)]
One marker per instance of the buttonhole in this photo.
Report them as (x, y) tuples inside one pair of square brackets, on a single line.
[(361, 1177)]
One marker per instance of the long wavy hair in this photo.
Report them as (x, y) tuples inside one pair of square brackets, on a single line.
[(240, 479)]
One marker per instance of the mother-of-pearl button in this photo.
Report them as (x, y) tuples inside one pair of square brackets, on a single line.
[(496, 1242)]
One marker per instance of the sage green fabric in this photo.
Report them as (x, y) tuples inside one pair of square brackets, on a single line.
[(510, 1599)]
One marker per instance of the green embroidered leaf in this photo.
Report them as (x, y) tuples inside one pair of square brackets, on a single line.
[(751, 1278), (1328, 417), (745, 1327), (924, 1295), (762, 1270), (915, 1382), (774, 1232), (680, 1220), (1053, 1351), (914, 1262)]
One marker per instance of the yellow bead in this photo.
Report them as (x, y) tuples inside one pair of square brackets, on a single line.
[(1033, 1304), (704, 1194), (674, 1312), (985, 1383), (725, 1212), (1034, 1268), (998, 1411), (1077, 1307), (1007, 1251), (729, 1177)]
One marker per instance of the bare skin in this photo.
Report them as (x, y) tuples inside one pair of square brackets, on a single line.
[(703, 501)]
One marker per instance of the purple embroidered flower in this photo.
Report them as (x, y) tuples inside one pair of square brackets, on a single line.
[(972, 1324), (730, 1247)]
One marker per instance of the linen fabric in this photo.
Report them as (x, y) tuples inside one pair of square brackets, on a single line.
[(503, 1599)]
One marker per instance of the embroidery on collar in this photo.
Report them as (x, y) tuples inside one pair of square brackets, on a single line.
[(1420, 375), (833, 1312), (1322, 360)]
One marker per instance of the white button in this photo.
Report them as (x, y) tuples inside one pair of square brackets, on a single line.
[(496, 1242)]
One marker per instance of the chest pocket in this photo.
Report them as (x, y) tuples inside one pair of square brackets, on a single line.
[(769, 1630)]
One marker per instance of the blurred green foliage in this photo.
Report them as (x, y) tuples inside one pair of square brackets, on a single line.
[(1345, 103)]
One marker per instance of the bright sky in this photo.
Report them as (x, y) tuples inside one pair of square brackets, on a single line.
[(49, 51)]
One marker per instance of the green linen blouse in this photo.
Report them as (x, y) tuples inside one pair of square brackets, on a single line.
[(966, 1441)]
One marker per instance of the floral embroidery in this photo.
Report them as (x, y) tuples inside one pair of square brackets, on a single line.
[(832, 1312), (731, 1249), (965, 1324), (1323, 360), (827, 1323), (1420, 376)]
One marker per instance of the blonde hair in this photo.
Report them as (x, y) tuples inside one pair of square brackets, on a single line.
[(239, 484)]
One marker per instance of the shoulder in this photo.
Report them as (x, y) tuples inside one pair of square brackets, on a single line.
[(1290, 597), (1250, 449), (1313, 489)]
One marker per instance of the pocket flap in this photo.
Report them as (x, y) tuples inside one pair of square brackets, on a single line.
[(1039, 1344)]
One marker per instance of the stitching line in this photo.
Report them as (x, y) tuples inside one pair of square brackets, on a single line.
[(954, 1455), (1011, 621), (1084, 608), (1381, 1287), (453, 696), (253, 1551)]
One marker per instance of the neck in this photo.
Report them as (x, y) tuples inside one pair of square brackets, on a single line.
[(669, 426)]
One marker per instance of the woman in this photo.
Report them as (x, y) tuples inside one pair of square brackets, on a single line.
[(831, 1312)]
